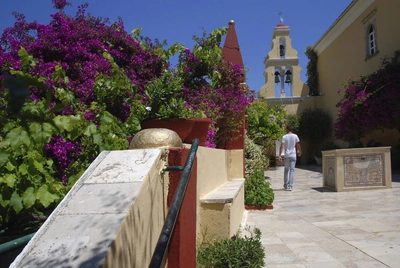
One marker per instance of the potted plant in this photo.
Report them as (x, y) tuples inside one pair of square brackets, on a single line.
[(163, 106), (258, 194)]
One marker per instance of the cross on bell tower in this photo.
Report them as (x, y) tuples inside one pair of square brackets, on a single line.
[(280, 13)]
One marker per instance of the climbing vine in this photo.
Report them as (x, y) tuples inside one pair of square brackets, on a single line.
[(312, 71)]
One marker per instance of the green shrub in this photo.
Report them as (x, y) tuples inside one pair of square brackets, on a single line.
[(314, 127), (265, 122), (237, 251), (294, 120), (257, 191), (254, 156)]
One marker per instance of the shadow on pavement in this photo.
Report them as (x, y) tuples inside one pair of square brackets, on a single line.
[(315, 168)]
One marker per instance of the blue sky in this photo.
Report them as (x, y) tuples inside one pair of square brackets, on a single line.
[(179, 20)]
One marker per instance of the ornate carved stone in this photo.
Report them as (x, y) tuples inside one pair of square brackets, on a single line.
[(155, 137)]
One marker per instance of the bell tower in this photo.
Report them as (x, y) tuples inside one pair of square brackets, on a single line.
[(282, 70)]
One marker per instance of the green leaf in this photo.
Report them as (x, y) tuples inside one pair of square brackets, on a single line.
[(10, 166), (4, 144), (59, 73), (3, 157), (9, 179), (18, 136), (16, 202), (45, 197), (28, 197), (3, 202), (30, 79), (39, 166), (23, 169), (90, 129), (64, 95), (97, 138)]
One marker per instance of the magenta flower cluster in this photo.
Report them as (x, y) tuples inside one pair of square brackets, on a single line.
[(77, 45), (225, 102), (370, 102), (63, 153)]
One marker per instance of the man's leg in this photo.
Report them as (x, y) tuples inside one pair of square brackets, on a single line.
[(286, 172), (292, 164)]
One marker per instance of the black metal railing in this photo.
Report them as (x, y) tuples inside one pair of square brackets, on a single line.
[(169, 224)]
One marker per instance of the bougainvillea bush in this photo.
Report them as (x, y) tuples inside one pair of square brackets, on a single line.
[(215, 87), (370, 102), (85, 75), (86, 91)]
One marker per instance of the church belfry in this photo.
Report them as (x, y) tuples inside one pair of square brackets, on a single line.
[(282, 70)]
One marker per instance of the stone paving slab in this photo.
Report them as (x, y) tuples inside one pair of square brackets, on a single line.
[(314, 227)]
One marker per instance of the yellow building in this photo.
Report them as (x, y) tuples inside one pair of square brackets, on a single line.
[(355, 44)]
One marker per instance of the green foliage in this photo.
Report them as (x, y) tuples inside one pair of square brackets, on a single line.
[(257, 190), (294, 120), (209, 52), (27, 181), (315, 126), (266, 120), (266, 125), (312, 71), (238, 251), (157, 47), (165, 101), (254, 156)]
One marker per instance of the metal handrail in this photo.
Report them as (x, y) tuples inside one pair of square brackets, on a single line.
[(16, 243), (169, 224)]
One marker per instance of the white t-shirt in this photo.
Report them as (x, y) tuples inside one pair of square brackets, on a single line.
[(289, 144)]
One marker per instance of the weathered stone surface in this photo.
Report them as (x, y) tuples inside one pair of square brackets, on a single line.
[(154, 138)]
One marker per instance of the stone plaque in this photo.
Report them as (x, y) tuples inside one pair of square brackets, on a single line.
[(363, 170)]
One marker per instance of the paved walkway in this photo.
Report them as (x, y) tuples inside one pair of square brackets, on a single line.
[(313, 227)]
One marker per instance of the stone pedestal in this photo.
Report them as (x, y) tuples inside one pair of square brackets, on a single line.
[(357, 169)]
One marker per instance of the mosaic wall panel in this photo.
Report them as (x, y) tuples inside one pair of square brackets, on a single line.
[(329, 171), (363, 170)]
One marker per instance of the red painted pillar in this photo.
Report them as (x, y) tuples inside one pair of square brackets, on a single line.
[(182, 248), (231, 53)]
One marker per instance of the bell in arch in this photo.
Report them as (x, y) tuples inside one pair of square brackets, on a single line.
[(282, 50), (288, 77), (277, 74)]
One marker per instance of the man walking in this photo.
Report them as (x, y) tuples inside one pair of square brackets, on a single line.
[(290, 142)]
